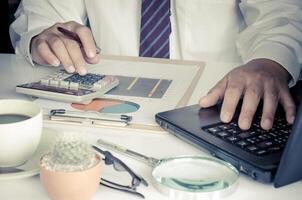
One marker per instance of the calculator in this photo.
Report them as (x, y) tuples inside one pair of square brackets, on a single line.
[(63, 86)]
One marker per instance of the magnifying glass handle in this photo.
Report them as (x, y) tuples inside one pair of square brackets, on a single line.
[(140, 157)]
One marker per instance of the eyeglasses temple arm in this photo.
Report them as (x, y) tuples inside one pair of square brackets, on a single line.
[(130, 171), (124, 190), (126, 187)]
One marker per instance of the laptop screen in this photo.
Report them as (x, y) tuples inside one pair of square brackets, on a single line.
[(290, 167)]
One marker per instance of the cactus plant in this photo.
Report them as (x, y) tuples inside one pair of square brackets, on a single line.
[(69, 154)]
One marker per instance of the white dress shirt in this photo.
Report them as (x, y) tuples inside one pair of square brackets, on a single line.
[(207, 30)]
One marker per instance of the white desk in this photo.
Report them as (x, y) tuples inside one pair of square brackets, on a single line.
[(14, 70)]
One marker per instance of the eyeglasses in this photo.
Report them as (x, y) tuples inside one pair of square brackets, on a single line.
[(119, 165)]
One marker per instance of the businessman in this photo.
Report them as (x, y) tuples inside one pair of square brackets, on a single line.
[(264, 35)]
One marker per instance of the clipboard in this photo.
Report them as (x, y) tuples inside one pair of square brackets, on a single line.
[(172, 64)]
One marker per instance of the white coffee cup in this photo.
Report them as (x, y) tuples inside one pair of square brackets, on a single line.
[(19, 140)]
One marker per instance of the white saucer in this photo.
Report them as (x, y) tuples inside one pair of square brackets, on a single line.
[(31, 167)]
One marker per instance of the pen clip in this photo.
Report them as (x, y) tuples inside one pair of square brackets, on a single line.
[(56, 111)]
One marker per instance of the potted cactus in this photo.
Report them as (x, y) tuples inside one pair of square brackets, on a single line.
[(71, 170)]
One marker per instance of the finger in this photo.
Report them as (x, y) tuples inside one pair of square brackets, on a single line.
[(59, 49), (87, 40), (93, 60), (214, 95), (270, 103), (76, 55), (46, 54), (250, 103), (231, 98), (288, 104)]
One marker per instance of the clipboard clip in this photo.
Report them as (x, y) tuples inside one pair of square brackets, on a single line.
[(89, 117)]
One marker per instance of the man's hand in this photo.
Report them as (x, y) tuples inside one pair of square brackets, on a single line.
[(260, 78), (53, 48)]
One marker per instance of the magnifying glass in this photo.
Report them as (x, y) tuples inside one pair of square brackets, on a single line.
[(186, 177)]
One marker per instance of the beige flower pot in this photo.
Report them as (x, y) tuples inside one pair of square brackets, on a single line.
[(78, 185)]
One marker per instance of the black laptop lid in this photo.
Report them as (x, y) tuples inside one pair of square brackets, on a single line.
[(290, 167)]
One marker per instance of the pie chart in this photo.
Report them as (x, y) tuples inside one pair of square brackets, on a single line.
[(109, 106)]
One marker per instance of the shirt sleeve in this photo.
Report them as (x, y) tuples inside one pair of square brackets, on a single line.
[(34, 16), (274, 31)]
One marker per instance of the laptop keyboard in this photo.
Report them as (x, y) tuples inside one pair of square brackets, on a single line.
[(255, 140)]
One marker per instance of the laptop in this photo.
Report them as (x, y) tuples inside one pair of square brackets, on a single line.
[(266, 156)]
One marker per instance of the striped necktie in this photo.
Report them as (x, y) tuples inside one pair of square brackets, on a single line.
[(155, 29)]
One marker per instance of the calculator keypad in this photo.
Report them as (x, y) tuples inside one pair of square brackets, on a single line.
[(88, 79), (75, 81)]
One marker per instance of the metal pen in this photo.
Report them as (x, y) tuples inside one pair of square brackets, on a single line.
[(76, 38), (91, 117)]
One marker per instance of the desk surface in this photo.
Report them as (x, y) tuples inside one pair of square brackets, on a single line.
[(14, 70)]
